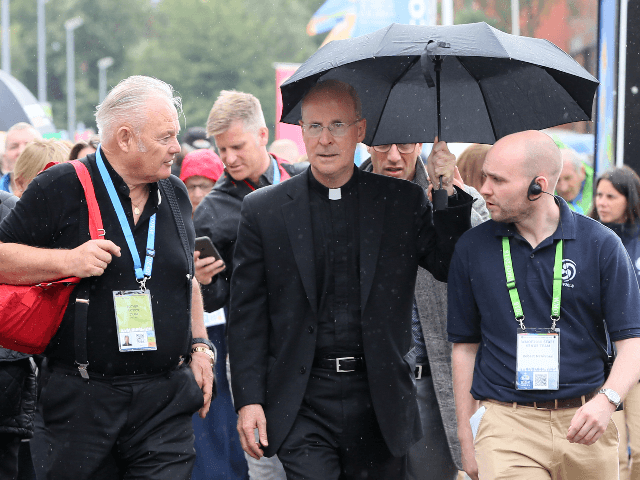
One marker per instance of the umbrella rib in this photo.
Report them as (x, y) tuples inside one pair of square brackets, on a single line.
[(484, 99), (395, 82)]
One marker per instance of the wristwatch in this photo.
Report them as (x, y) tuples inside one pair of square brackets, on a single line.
[(612, 396), (210, 348)]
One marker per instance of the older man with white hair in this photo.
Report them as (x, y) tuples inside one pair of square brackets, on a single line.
[(107, 409), (575, 184), (18, 137)]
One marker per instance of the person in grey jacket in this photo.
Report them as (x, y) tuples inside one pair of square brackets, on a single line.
[(17, 391), (437, 455)]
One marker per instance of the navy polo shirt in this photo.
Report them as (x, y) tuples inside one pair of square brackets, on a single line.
[(599, 285)]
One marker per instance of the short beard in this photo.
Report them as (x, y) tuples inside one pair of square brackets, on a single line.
[(511, 215)]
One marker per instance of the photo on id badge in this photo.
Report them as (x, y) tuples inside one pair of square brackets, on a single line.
[(134, 320)]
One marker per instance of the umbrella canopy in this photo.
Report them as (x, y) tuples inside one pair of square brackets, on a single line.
[(17, 104), (492, 83)]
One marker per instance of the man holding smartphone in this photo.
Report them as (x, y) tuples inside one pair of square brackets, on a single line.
[(237, 124)]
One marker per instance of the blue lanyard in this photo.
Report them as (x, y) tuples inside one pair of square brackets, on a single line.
[(141, 275), (276, 172)]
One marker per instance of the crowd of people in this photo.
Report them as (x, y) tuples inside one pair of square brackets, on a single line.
[(342, 328)]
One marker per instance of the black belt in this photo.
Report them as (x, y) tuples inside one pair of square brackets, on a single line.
[(116, 379), (341, 364), (422, 371)]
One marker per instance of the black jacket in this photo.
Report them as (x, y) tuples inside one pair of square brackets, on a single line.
[(17, 376), (274, 308), (217, 217)]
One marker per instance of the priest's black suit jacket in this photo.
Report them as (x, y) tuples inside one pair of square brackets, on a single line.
[(274, 297)]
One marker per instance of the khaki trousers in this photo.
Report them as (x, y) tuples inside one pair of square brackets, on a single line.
[(524, 443), (628, 423)]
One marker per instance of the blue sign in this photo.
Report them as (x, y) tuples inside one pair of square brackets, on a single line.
[(607, 69), (359, 17)]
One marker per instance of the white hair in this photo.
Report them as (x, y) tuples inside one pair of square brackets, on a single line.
[(25, 126), (126, 103), (573, 157)]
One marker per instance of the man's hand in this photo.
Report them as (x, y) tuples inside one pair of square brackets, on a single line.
[(203, 371), (591, 421), (457, 178), (207, 268), (441, 163), (457, 181), (251, 417), (469, 464), (91, 258)]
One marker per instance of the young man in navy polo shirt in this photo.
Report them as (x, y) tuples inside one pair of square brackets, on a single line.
[(530, 348)]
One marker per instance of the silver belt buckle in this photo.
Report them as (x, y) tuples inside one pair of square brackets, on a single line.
[(338, 369), (419, 374)]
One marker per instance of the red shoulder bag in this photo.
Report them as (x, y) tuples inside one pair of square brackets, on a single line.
[(31, 314)]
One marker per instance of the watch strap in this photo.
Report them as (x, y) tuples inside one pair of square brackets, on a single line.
[(208, 351), (613, 396)]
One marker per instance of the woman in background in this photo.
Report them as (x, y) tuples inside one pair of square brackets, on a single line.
[(83, 148), (34, 159), (617, 205), (470, 164)]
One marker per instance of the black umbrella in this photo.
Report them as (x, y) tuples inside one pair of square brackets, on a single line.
[(488, 84), (492, 83), (17, 104)]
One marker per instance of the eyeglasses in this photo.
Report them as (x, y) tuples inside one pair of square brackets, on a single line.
[(402, 147), (337, 129)]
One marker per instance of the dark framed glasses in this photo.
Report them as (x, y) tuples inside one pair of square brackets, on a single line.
[(402, 147)]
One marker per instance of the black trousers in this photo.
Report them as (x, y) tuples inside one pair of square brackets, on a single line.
[(123, 429), (335, 435), (9, 448), (430, 458), (17, 405)]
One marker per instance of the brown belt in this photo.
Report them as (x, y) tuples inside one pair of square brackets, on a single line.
[(550, 404)]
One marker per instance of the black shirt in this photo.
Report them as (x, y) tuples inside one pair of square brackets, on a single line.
[(337, 259), (48, 216)]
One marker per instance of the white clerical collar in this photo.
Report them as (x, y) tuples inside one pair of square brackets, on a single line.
[(335, 194)]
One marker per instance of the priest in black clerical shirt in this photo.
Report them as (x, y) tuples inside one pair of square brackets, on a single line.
[(321, 297)]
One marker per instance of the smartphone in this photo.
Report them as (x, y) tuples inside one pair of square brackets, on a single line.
[(206, 248)]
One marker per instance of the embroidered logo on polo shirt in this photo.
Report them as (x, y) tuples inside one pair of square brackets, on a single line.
[(568, 272)]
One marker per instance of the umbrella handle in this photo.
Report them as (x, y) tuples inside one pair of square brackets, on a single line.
[(440, 198)]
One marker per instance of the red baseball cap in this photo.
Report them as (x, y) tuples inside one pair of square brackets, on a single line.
[(203, 163)]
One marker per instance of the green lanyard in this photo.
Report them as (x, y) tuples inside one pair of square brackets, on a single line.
[(513, 292)]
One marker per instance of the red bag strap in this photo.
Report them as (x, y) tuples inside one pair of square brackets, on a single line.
[(95, 219)]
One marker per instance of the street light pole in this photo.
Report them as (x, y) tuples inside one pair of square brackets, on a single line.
[(42, 54), (6, 43), (447, 12), (70, 25), (515, 17), (103, 64)]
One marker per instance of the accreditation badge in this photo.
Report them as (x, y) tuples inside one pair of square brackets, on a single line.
[(538, 359), (134, 320)]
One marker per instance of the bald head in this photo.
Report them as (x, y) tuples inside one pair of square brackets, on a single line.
[(533, 153)]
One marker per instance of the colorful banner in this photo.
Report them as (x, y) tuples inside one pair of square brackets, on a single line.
[(605, 156), (352, 18), (284, 130)]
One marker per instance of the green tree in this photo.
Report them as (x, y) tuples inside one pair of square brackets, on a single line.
[(110, 28), (205, 46)]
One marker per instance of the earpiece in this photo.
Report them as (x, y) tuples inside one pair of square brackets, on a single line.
[(534, 189)]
